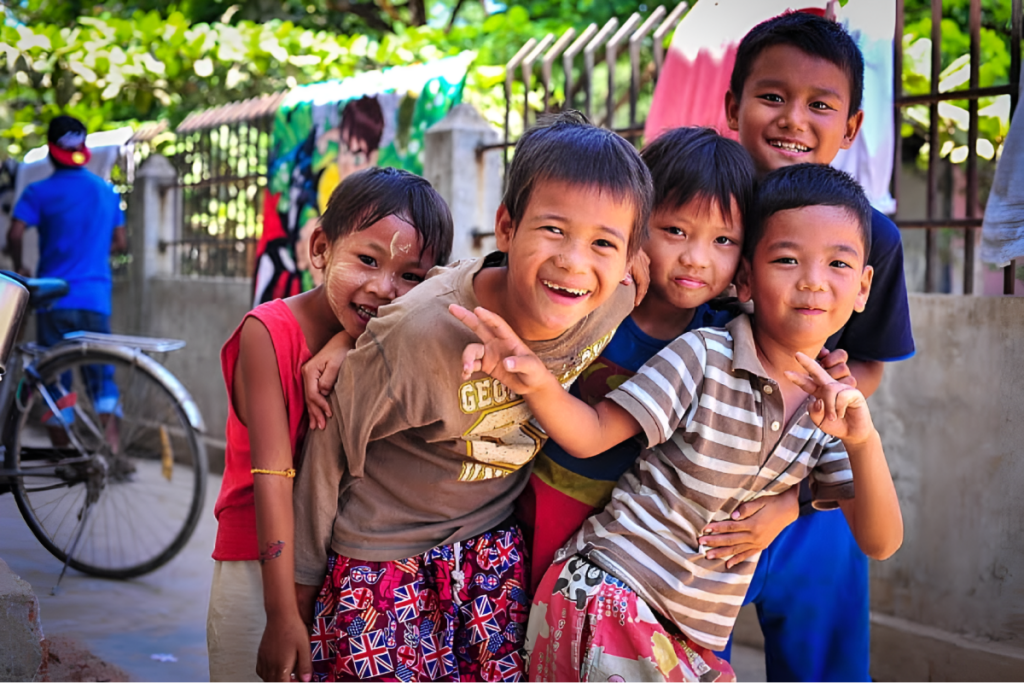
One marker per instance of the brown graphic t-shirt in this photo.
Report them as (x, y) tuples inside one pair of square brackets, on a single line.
[(414, 457)]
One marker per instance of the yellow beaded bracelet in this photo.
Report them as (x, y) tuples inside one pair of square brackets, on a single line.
[(290, 473)]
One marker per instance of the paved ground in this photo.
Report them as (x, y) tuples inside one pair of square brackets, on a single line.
[(124, 622), (128, 622)]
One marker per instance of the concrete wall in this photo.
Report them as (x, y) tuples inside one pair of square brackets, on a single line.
[(204, 312), (467, 177), (952, 421)]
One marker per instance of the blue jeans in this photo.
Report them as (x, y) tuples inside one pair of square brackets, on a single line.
[(52, 325)]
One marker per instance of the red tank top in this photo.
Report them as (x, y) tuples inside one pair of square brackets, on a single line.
[(236, 508)]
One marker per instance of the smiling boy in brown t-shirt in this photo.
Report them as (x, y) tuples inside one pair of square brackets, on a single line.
[(424, 567)]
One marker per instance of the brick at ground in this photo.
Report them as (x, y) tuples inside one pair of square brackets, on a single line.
[(21, 649), (68, 660)]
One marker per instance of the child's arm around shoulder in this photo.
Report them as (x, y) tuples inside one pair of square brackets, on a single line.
[(319, 375), (842, 411), (259, 402), (582, 430)]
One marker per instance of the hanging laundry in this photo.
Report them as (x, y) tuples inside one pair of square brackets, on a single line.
[(695, 77)]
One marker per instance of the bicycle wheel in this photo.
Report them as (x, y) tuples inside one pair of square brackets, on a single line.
[(121, 487)]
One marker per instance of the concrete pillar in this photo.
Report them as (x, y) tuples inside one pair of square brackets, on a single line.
[(152, 219), (21, 650), (469, 181)]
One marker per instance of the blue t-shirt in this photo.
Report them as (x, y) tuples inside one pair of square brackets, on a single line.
[(626, 353), (75, 212), (882, 332)]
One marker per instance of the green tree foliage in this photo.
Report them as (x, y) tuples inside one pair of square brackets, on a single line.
[(123, 61), (112, 71), (373, 17)]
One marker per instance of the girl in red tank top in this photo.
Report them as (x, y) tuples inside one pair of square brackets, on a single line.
[(383, 229)]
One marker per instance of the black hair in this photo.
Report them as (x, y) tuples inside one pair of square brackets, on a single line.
[(375, 193), (568, 148), (794, 187), (808, 33), (697, 163)]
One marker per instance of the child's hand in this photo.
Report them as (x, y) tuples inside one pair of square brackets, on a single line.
[(639, 274), (753, 527), (284, 651), (835, 364), (306, 597), (840, 410), (319, 375), (502, 355)]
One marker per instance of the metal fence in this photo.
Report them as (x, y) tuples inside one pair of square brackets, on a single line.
[(577, 86), (969, 220), (221, 157)]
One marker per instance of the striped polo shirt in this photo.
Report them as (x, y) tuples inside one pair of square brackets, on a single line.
[(713, 420)]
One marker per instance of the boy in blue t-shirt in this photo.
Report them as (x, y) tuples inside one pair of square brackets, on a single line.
[(80, 222), (795, 97)]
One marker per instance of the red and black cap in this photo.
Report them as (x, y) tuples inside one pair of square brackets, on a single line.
[(66, 141)]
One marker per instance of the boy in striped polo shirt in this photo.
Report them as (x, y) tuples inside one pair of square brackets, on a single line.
[(730, 415)]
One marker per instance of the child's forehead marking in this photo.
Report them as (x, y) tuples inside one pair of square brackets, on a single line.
[(398, 246)]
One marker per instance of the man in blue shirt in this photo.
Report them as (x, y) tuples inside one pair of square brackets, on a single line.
[(80, 222)]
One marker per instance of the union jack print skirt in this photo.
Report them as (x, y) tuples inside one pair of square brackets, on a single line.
[(456, 613)]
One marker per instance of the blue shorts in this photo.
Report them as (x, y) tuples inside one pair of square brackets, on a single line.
[(811, 593), (52, 325)]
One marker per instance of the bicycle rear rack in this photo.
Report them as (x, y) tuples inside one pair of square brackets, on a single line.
[(145, 344)]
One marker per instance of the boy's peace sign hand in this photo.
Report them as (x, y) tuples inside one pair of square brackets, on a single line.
[(502, 355), (840, 410)]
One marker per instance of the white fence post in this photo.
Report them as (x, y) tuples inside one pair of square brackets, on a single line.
[(154, 209), (468, 179)]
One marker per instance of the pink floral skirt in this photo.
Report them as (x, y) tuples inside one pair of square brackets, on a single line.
[(587, 625)]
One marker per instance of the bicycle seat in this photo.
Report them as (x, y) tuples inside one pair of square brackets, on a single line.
[(43, 291)]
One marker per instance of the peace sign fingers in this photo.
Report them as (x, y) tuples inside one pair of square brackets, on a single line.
[(840, 409), (501, 354)]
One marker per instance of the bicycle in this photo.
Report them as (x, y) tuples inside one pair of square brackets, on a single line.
[(113, 493)]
